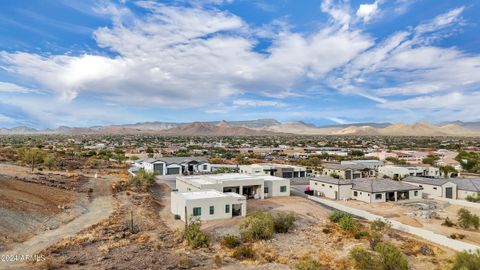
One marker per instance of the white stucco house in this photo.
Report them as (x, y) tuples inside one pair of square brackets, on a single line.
[(172, 165), (398, 172), (450, 188), (280, 170), (207, 204), (251, 186), (366, 190)]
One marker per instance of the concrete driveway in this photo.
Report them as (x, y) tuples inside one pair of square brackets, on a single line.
[(166, 179)]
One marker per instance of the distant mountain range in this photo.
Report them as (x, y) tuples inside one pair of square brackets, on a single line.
[(266, 127)]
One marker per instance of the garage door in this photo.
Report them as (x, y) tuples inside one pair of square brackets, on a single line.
[(449, 193), (173, 170), (158, 169)]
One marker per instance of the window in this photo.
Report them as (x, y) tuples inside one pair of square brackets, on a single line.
[(331, 187), (227, 208), (378, 196), (435, 188), (323, 185), (355, 194), (212, 210), (204, 167), (283, 188), (265, 190), (415, 193), (420, 186), (197, 211)]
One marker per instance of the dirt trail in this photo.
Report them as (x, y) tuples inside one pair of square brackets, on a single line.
[(100, 208)]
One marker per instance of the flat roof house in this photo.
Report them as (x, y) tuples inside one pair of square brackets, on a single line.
[(366, 163), (280, 170), (207, 204), (367, 190), (251, 186), (173, 165), (450, 188)]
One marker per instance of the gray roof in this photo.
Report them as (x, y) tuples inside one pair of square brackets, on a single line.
[(336, 166), (330, 180), (462, 183), (176, 160), (381, 185)]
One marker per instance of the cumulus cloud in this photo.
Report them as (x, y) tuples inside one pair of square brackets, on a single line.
[(186, 56), (367, 11)]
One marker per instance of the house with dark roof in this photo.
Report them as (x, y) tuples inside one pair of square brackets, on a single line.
[(450, 188), (348, 171), (172, 165), (368, 189)]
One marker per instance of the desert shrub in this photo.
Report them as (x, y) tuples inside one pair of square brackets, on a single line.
[(243, 253), (360, 235), (283, 222), (308, 264), (364, 260), (257, 226), (466, 219), (379, 225), (467, 261), (326, 230), (471, 198), (448, 223), (230, 241), (142, 179), (194, 236), (390, 257), (457, 236), (337, 215), (348, 223)]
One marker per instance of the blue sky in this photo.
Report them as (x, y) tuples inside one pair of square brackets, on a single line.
[(97, 62)]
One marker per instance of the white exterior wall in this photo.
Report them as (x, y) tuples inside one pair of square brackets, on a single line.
[(274, 188), (178, 204), (462, 194), (204, 167), (328, 190), (185, 186), (371, 197), (436, 191)]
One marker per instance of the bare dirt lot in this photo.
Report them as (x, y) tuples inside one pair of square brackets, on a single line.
[(411, 215), (28, 208)]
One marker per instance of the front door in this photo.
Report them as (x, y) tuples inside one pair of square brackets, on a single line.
[(449, 193)]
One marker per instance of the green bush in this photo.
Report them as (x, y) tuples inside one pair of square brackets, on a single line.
[(257, 226), (379, 225), (308, 264), (337, 215), (391, 258), (194, 236), (348, 223), (230, 241), (283, 222), (243, 253), (467, 219), (467, 261), (364, 260), (361, 234), (143, 179)]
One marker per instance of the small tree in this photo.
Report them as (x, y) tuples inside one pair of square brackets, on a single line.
[(467, 261), (31, 156), (193, 235), (466, 219), (337, 215), (143, 179), (48, 161)]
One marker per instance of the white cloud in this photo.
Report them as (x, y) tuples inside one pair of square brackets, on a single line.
[(338, 120), (367, 11), (257, 103), (14, 88), (187, 57), (6, 119)]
